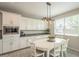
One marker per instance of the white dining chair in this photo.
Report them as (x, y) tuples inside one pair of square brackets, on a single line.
[(55, 52), (64, 47), (35, 52)]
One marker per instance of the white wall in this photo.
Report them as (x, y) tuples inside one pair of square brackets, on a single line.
[(73, 42), (70, 13)]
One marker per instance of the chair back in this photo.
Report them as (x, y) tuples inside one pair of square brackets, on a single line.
[(65, 45), (33, 49), (57, 49)]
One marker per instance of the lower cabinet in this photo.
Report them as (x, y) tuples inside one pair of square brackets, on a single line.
[(16, 43), (10, 43), (7, 45), (0, 46), (24, 42)]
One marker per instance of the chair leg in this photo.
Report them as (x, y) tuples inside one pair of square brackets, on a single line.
[(65, 53), (43, 55), (62, 54)]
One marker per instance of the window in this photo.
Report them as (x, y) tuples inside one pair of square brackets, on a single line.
[(67, 26), (72, 25), (59, 26)]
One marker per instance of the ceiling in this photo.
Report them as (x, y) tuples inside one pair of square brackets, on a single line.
[(38, 9)]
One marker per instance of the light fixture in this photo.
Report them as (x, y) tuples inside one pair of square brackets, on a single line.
[(48, 18)]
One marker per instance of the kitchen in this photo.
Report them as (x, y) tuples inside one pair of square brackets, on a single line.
[(18, 29)]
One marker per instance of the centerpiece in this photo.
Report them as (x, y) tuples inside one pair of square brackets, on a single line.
[(51, 38)]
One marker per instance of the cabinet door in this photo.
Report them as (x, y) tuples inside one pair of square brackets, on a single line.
[(23, 23), (7, 44), (10, 43), (34, 25), (0, 46), (42, 25), (23, 42), (16, 43), (6, 18), (10, 19), (39, 25), (16, 20), (28, 24)]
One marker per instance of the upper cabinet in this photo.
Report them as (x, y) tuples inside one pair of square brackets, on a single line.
[(23, 23), (42, 25), (13, 19), (10, 19), (32, 24)]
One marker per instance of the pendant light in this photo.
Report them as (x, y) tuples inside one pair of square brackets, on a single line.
[(48, 18)]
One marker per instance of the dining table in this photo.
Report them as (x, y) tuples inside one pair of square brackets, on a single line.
[(47, 46)]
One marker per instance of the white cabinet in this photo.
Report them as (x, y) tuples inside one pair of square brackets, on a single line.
[(32, 24), (24, 42), (0, 46), (42, 25), (10, 43), (36, 24), (29, 24), (10, 19), (23, 23), (7, 44), (16, 43)]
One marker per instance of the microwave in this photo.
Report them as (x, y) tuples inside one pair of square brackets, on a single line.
[(10, 29)]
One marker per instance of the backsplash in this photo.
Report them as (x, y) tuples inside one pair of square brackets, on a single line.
[(33, 32)]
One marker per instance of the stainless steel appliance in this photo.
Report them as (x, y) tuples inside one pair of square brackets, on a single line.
[(10, 29)]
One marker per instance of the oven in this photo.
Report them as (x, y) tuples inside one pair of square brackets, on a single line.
[(10, 29)]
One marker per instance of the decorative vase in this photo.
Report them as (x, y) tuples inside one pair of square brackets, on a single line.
[(51, 38)]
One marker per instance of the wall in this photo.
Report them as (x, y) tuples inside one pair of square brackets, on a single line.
[(69, 13), (73, 42)]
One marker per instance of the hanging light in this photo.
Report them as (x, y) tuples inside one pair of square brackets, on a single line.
[(48, 17)]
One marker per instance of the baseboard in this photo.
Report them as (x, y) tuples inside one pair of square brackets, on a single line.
[(73, 49)]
